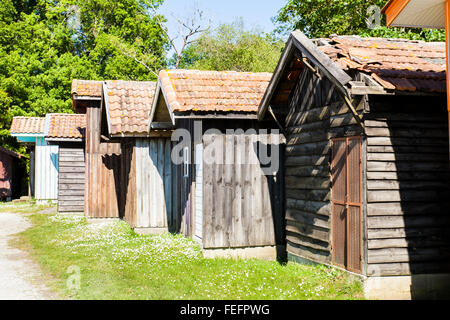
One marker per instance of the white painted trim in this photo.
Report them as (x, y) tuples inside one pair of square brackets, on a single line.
[(172, 116), (106, 105)]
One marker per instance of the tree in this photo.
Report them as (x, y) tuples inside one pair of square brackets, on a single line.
[(190, 28), (45, 44), (322, 18), (231, 47)]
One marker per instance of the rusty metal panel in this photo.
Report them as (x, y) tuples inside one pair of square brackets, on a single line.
[(346, 202), (354, 169), (354, 203), (339, 234), (339, 170), (354, 238)]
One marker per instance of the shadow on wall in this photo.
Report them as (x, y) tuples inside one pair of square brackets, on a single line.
[(112, 162), (419, 193), (275, 184)]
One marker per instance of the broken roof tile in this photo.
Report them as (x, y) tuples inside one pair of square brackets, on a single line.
[(400, 64)]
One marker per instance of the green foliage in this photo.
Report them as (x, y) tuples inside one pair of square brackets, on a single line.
[(322, 18), (231, 47), (42, 48)]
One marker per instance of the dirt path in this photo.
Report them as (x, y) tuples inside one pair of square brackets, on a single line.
[(20, 278)]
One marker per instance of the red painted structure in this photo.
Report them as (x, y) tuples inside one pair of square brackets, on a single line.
[(10, 174)]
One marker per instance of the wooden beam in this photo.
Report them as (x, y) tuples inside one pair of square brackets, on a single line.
[(320, 59)]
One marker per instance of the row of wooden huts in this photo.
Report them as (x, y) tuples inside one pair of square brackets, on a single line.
[(358, 128), (137, 130)]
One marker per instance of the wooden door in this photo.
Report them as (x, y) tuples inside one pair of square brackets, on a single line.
[(346, 203)]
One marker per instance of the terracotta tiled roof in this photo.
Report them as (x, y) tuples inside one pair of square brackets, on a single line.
[(87, 88), (213, 91), (396, 64), (27, 125), (66, 126), (129, 104)]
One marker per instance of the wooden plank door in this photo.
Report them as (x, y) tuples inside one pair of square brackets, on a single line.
[(346, 203), (199, 191)]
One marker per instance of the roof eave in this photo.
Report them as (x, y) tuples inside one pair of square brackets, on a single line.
[(299, 41)]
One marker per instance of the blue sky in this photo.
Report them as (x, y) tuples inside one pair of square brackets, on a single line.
[(256, 13)]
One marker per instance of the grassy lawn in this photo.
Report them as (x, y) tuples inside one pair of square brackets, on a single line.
[(115, 263)]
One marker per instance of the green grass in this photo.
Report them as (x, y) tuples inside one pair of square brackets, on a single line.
[(116, 263)]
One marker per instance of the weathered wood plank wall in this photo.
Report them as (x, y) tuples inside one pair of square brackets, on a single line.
[(71, 178), (103, 190), (241, 205), (408, 186), (316, 114), (185, 189), (128, 180)]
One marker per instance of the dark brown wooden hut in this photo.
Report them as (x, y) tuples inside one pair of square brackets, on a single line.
[(366, 160), (229, 204)]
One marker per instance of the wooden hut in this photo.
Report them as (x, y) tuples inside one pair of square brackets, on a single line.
[(67, 131), (366, 160), (147, 171), (102, 185), (229, 205), (12, 172), (43, 157)]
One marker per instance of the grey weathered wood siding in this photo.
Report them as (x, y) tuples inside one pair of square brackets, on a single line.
[(408, 196), (241, 207), (316, 114), (240, 203), (154, 183), (148, 179), (71, 178)]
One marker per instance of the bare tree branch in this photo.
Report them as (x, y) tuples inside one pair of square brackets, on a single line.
[(192, 27)]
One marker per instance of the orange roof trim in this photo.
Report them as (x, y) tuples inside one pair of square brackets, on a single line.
[(393, 9)]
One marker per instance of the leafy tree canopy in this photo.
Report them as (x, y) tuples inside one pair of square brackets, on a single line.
[(45, 44), (232, 47), (322, 18)]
